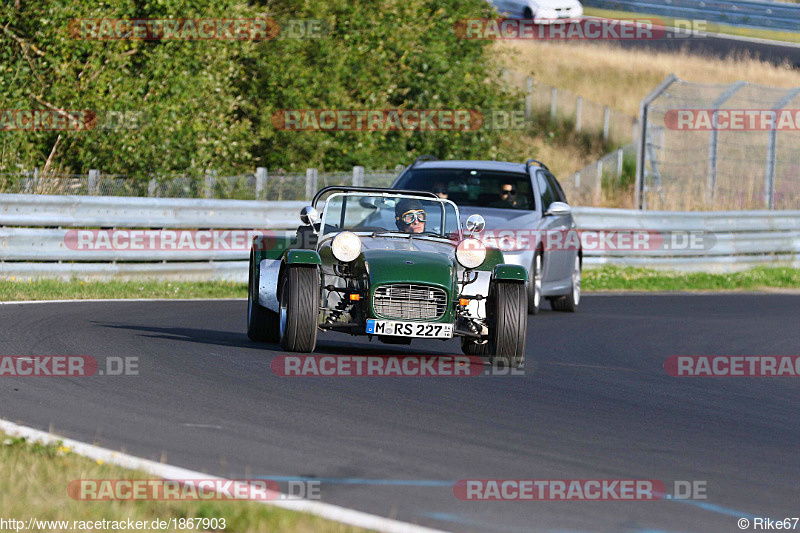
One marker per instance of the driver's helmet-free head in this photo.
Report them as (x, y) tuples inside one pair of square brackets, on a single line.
[(404, 207)]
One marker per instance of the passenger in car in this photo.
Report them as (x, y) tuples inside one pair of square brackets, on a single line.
[(440, 190)]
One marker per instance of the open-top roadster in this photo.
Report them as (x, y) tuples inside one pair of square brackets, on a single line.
[(393, 264)]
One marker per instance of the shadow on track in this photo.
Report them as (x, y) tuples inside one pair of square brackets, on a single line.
[(240, 340)]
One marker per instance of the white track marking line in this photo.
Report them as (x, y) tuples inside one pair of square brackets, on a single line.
[(323, 510)]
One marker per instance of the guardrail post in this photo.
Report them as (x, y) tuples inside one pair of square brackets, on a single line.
[(358, 176), (598, 186), (528, 97), (620, 163), (33, 186), (311, 182), (577, 180), (606, 122), (208, 184), (553, 102), (261, 182), (151, 187), (578, 114), (93, 182)]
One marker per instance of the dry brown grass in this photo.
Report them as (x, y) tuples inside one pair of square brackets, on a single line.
[(620, 78)]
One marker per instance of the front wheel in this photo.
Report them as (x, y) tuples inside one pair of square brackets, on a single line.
[(569, 303), (299, 309), (508, 304)]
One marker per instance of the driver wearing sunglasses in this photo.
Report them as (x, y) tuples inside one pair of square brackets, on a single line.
[(410, 216), (508, 196)]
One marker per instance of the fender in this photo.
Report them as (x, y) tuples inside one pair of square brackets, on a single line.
[(302, 257), (268, 271), (508, 272)]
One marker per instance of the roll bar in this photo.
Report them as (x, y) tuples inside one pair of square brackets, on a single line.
[(343, 188)]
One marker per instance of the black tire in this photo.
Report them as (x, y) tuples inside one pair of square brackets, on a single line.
[(535, 284), (262, 323), (299, 309), (471, 347), (569, 303), (509, 323)]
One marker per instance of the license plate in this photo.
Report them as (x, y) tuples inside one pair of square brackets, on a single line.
[(409, 329)]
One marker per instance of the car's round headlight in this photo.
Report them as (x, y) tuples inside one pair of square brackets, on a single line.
[(470, 253), (346, 246)]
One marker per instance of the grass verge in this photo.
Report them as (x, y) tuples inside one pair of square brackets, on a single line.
[(612, 278), (606, 278), (34, 479), (48, 289), (711, 27)]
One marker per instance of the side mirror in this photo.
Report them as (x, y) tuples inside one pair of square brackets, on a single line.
[(558, 209), (475, 224), (309, 215)]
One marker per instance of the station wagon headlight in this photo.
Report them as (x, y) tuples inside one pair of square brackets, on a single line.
[(470, 253), (346, 246)]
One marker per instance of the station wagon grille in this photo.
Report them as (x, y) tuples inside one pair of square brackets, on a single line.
[(402, 301)]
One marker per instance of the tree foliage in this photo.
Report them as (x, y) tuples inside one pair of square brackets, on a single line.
[(207, 104)]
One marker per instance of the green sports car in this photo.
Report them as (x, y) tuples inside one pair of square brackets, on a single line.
[(392, 264)]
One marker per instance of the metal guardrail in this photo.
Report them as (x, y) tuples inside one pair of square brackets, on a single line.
[(130, 212), (34, 229), (740, 239), (745, 13)]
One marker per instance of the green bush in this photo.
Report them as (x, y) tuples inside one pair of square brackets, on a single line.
[(207, 104)]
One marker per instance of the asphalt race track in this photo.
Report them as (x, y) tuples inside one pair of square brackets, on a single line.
[(595, 403), (714, 46)]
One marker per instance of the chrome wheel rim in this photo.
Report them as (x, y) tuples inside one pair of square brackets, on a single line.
[(576, 281)]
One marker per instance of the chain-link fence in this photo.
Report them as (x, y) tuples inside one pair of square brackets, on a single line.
[(260, 185), (719, 147), (583, 115), (608, 182)]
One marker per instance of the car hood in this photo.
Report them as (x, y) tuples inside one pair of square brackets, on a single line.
[(497, 218), (401, 260)]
